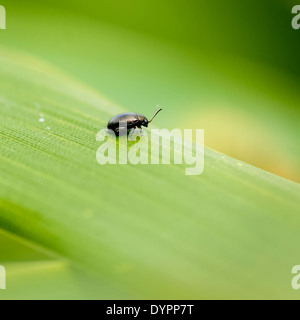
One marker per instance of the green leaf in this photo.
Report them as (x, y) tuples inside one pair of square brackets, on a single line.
[(148, 231)]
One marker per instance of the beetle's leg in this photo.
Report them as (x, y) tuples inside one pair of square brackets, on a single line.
[(131, 134), (140, 131), (134, 132)]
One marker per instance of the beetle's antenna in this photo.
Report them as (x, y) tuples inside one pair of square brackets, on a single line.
[(155, 115)]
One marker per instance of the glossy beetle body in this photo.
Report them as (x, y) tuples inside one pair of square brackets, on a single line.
[(133, 120)]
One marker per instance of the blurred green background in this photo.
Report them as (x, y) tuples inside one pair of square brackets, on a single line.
[(230, 67)]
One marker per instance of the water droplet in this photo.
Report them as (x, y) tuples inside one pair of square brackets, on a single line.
[(42, 118)]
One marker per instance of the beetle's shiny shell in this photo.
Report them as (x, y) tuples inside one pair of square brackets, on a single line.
[(132, 119)]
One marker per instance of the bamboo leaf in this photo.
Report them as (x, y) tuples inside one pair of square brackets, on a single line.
[(149, 231)]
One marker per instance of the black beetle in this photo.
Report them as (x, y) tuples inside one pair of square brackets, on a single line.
[(133, 120)]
